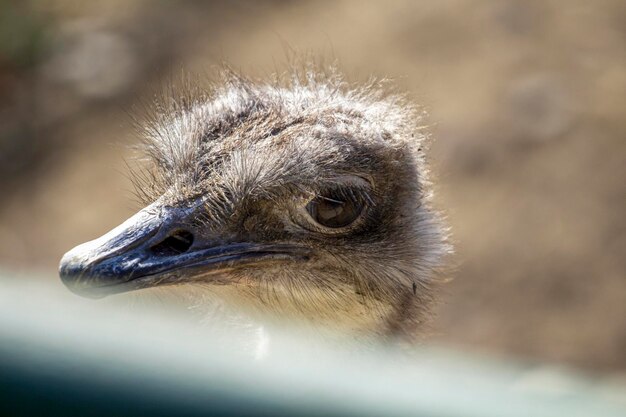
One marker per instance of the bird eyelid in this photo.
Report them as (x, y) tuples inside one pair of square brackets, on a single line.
[(356, 186), (359, 181)]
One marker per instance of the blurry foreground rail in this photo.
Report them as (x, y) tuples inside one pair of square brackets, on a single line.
[(61, 356)]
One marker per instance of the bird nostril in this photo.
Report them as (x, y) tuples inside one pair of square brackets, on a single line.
[(178, 242)]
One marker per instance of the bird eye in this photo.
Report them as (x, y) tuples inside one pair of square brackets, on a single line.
[(335, 209)]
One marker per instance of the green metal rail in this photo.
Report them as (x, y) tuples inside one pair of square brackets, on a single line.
[(61, 356)]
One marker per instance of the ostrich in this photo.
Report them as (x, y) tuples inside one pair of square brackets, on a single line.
[(307, 198)]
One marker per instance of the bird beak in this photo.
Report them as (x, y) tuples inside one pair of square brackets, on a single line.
[(157, 247)]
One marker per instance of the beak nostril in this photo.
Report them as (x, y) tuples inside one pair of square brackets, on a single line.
[(178, 242)]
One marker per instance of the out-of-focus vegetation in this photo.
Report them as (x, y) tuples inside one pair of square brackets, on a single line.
[(527, 108), (22, 46), (21, 36)]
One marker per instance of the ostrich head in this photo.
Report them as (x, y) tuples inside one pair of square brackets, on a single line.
[(308, 197)]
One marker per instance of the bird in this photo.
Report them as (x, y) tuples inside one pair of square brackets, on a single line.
[(302, 196)]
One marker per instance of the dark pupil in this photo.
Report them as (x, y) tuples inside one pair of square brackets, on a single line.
[(334, 211)]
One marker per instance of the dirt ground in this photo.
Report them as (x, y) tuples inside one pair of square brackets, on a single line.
[(526, 103)]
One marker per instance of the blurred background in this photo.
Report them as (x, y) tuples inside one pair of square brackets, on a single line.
[(526, 103)]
